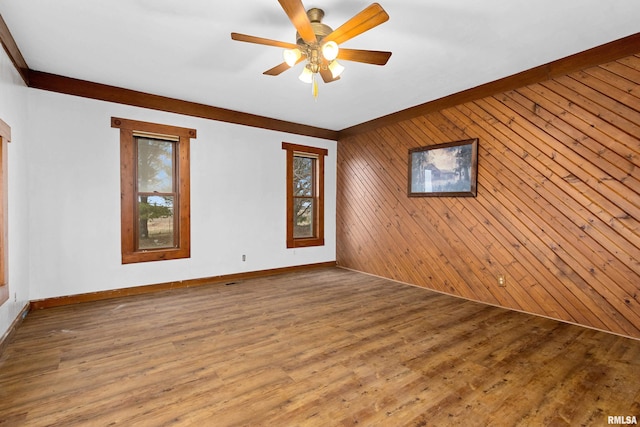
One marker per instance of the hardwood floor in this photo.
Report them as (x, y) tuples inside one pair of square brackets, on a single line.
[(327, 347)]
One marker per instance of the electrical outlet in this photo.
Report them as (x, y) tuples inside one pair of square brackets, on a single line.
[(502, 281), (244, 258)]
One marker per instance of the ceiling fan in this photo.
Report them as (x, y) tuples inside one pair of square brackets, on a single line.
[(317, 44)]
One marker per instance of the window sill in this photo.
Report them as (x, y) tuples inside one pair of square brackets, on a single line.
[(155, 255), (303, 243)]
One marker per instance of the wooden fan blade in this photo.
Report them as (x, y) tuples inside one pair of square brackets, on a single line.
[(327, 77), (374, 57), (281, 68), (369, 18), (277, 70), (298, 17), (259, 40)]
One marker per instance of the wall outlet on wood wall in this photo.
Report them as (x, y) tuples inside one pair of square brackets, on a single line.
[(502, 280)]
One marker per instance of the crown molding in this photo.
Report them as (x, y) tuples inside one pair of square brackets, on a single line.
[(87, 89), (608, 52), (598, 55), (70, 86), (13, 51)]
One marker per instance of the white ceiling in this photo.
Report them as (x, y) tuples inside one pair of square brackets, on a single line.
[(182, 48)]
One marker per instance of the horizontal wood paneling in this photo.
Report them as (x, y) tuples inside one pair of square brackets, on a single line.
[(558, 205)]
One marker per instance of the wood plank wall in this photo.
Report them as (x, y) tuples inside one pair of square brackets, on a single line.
[(557, 211)]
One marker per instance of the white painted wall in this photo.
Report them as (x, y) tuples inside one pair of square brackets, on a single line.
[(64, 198), (13, 111), (237, 199)]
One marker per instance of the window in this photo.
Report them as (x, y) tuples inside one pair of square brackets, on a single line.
[(154, 182), (5, 137), (305, 195)]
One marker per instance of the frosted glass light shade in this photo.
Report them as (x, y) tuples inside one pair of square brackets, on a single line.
[(330, 51), (291, 56), (336, 69), (306, 75)]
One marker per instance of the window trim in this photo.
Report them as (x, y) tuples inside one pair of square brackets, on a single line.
[(128, 163), (318, 154), (5, 138)]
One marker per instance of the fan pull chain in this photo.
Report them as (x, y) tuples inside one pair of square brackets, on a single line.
[(314, 87)]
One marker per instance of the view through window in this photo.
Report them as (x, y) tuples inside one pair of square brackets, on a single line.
[(155, 187), (156, 194), (305, 195)]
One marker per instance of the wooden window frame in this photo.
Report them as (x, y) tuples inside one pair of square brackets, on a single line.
[(5, 138), (318, 154), (128, 187)]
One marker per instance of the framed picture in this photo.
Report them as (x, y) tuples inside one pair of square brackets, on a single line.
[(444, 170)]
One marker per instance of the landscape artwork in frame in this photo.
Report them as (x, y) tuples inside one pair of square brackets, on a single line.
[(444, 170)]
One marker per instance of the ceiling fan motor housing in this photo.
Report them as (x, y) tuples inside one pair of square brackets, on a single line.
[(319, 29), (312, 51)]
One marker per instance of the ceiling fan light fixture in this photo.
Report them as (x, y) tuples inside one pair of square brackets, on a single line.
[(336, 69), (306, 76), (330, 50), (316, 43), (291, 56)]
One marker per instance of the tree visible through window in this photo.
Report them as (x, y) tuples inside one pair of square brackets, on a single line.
[(305, 195), (156, 193), (304, 201), (154, 176)]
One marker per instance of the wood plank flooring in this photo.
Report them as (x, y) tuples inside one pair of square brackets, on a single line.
[(327, 347)]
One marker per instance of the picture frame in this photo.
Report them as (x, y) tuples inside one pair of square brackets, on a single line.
[(444, 170)]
